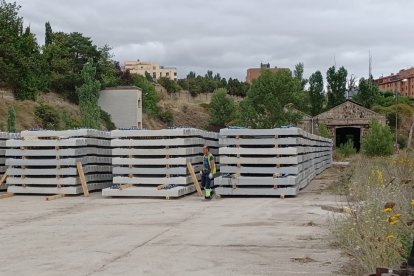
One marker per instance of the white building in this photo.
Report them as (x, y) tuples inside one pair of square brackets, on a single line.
[(124, 104)]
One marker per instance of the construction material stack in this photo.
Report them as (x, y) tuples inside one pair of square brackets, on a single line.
[(59, 162), (4, 136), (270, 162), (153, 163)]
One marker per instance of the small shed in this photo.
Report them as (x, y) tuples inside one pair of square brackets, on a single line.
[(124, 104), (348, 120)]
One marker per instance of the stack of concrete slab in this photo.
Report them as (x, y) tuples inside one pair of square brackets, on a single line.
[(4, 136), (270, 162), (45, 162), (153, 163)]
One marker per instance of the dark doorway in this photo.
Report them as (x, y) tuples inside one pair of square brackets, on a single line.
[(344, 134)]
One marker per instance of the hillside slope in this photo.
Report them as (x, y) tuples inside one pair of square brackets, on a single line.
[(25, 110)]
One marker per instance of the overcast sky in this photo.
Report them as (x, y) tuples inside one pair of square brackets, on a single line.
[(230, 36)]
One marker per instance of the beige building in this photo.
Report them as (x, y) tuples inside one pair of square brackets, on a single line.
[(155, 70), (124, 104), (402, 83)]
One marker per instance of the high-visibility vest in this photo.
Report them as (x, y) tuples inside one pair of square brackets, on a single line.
[(209, 158)]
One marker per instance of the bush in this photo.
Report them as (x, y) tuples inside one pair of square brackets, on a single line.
[(347, 149), (379, 140), (166, 116), (47, 116), (323, 131)]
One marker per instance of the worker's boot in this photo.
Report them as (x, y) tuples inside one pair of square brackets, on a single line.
[(207, 194)]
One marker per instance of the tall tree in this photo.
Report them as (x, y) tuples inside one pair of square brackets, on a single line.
[(88, 95), (336, 85), (267, 98), (367, 93), (298, 74), (316, 96), (48, 34)]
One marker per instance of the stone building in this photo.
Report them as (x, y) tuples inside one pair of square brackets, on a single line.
[(348, 120)]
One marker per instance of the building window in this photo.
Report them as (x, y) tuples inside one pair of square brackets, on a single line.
[(139, 103), (154, 75), (160, 74), (175, 74), (167, 74)]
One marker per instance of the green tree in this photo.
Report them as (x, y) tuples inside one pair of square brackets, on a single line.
[(170, 85), (48, 34), (222, 108), (378, 141), (88, 95), (265, 104), (150, 97), (316, 96), (11, 119), (336, 85), (298, 74), (368, 93)]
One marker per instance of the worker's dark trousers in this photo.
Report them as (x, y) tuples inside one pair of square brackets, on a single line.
[(205, 181)]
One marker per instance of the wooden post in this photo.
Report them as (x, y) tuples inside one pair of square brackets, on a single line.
[(195, 180), (82, 178), (3, 178), (6, 195), (53, 197)]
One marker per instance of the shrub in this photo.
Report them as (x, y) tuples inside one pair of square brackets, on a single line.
[(323, 131), (166, 116), (379, 140), (47, 116), (347, 149)]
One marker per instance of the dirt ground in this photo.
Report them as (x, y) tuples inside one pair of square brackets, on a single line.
[(188, 236)]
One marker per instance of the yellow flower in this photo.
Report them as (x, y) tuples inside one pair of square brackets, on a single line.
[(412, 202), (389, 237), (387, 210), (393, 219)]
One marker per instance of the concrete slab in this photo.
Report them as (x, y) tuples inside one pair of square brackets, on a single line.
[(63, 171), (149, 192), (71, 190), (179, 180), (63, 152), (53, 180)]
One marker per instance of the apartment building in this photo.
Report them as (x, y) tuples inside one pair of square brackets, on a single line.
[(401, 83), (254, 73), (155, 70)]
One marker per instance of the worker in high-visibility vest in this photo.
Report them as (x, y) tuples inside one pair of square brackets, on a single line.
[(207, 174)]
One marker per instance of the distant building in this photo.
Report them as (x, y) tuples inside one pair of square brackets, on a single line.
[(254, 73), (124, 104), (401, 83), (155, 70)]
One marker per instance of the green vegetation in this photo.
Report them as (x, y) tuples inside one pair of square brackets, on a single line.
[(379, 140), (347, 149), (222, 108), (316, 96), (11, 119), (47, 116), (336, 85), (323, 131), (88, 95), (264, 106), (376, 231), (170, 85)]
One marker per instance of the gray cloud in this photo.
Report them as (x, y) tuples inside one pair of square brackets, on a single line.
[(230, 36)]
